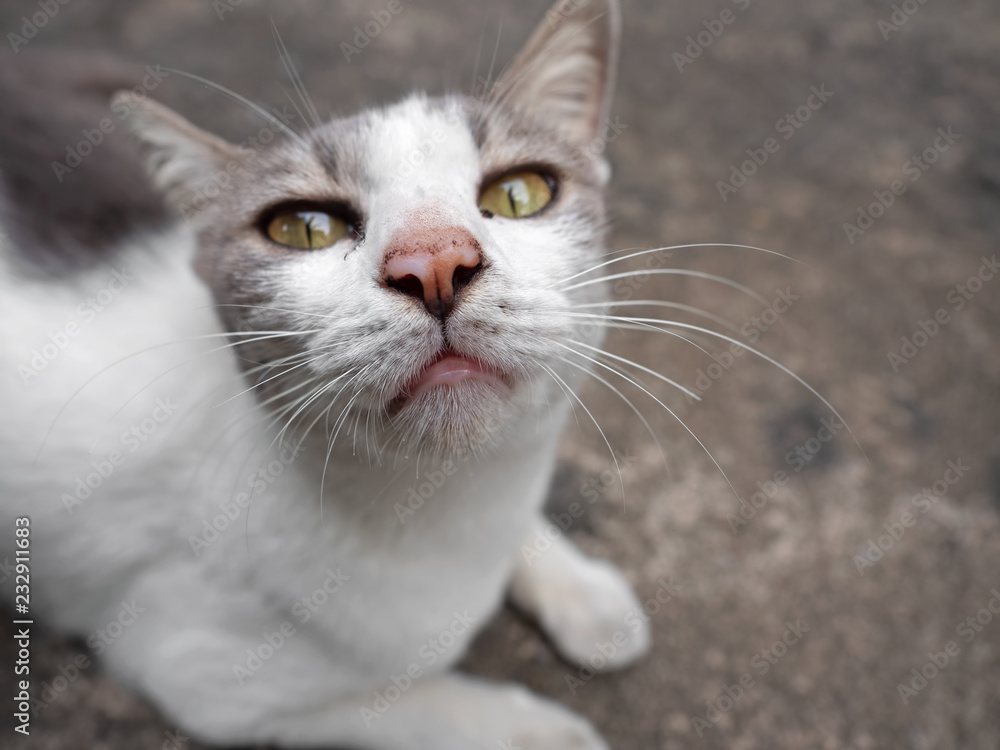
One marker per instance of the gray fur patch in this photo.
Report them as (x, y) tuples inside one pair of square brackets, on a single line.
[(66, 214)]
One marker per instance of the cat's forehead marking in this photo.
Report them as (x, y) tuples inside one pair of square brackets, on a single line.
[(423, 144)]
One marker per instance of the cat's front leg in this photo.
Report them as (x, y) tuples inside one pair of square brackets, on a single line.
[(443, 712), (585, 606)]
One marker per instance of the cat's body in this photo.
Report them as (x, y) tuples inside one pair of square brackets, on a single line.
[(284, 587)]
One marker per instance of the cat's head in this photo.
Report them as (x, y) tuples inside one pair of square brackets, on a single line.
[(418, 254)]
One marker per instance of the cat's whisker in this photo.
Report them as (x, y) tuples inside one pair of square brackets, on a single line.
[(211, 394), (104, 370), (615, 322), (281, 310), (569, 397), (234, 422), (320, 392), (329, 452), (671, 413), (636, 365), (305, 401), (640, 253), (268, 380), (671, 272), (255, 108), (187, 362), (293, 74), (627, 401), (249, 413), (660, 303), (604, 437), (756, 352)]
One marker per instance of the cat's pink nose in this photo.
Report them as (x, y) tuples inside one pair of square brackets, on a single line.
[(432, 265)]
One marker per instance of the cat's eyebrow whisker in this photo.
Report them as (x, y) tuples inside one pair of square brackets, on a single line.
[(293, 74), (660, 303), (621, 258), (255, 108), (604, 437), (623, 397), (670, 272), (672, 414)]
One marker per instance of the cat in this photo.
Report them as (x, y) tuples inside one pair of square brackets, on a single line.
[(282, 417)]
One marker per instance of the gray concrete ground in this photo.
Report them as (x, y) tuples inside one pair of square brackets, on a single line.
[(725, 597)]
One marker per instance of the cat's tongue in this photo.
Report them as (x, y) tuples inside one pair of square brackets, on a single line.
[(450, 370)]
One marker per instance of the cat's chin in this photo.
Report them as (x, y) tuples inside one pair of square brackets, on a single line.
[(453, 412)]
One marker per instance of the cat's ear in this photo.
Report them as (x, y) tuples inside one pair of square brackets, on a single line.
[(179, 157), (565, 73)]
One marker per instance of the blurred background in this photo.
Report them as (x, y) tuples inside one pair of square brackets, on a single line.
[(860, 138)]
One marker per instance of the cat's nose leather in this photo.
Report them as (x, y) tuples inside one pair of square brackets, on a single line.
[(432, 266)]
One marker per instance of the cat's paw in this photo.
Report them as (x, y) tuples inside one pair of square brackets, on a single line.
[(592, 617)]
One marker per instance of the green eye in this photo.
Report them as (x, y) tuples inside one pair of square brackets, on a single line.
[(309, 230), (516, 196)]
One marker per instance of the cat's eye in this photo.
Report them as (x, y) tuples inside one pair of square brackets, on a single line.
[(308, 230), (517, 196)]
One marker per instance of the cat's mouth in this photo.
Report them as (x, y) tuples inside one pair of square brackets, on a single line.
[(448, 369)]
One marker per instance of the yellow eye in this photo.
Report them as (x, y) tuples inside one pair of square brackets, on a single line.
[(310, 230), (516, 196)]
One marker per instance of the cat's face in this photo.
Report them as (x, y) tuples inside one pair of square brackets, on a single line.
[(432, 313)]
